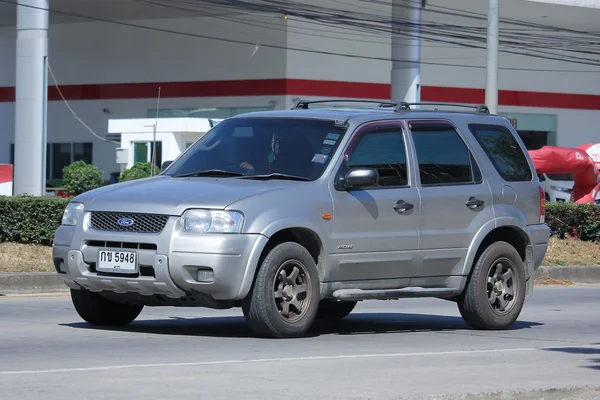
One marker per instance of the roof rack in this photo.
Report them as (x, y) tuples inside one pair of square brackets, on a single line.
[(480, 109), (303, 104)]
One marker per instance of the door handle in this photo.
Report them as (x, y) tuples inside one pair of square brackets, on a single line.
[(402, 206), (473, 202)]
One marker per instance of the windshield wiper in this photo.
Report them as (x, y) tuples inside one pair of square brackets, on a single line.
[(210, 172), (277, 176)]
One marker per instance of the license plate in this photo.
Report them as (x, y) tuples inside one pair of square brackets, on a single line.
[(117, 262)]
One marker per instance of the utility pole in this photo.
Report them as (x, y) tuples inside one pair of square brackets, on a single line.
[(406, 51), (491, 87), (31, 91)]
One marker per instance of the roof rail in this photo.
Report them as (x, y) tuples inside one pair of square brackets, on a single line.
[(479, 109), (303, 104)]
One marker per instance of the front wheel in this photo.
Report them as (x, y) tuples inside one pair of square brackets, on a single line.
[(284, 297), (495, 293), (97, 310)]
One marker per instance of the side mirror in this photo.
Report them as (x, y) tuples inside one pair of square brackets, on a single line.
[(360, 177), (165, 165)]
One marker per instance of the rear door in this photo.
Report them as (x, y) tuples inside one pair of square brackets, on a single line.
[(455, 199)]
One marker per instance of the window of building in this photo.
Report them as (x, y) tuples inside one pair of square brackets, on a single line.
[(444, 157), (142, 152), (503, 151), (384, 151), (61, 155)]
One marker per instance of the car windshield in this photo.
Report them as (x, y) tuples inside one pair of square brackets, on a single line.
[(561, 177), (262, 148)]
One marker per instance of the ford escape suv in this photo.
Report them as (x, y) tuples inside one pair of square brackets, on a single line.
[(296, 215)]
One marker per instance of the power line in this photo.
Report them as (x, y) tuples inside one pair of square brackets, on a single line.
[(237, 41), (469, 33)]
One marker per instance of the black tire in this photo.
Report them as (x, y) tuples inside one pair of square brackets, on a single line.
[(97, 310), (334, 310), (480, 308), (271, 293)]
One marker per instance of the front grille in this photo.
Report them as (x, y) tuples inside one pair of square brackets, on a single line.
[(143, 223)]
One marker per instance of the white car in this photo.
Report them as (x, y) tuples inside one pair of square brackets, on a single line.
[(558, 187)]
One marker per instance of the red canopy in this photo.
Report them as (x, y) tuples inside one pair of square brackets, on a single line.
[(554, 160)]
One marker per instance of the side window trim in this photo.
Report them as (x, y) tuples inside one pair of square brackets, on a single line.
[(364, 130), (437, 124)]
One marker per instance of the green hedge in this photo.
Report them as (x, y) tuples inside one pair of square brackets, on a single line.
[(581, 221), (27, 219), (30, 220)]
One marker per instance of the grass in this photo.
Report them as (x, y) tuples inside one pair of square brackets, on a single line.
[(25, 258), (30, 258), (572, 252)]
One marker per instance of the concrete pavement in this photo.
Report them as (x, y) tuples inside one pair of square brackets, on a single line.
[(417, 348)]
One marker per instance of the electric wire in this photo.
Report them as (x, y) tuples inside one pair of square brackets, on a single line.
[(238, 41), (56, 85)]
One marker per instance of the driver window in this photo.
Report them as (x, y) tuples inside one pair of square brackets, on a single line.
[(383, 150)]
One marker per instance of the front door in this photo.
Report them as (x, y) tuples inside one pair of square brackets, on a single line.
[(375, 229), (455, 200)]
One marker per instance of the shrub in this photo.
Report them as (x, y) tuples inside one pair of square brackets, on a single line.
[(80, 177), (138, 171), (580, 221), (29, 219)]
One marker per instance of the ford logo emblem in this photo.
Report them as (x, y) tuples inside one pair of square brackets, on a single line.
[(125, 222)]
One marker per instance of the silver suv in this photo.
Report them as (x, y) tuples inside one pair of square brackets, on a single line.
[(296, 215)]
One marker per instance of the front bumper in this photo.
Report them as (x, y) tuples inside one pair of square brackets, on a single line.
[(168, 262)]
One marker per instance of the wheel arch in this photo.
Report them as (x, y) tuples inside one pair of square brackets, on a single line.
[(510, 230), (302, 234)]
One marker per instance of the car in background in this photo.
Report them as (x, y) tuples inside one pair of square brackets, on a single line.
[(558, 187)]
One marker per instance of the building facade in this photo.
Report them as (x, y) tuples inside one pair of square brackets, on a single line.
[(230, 62)]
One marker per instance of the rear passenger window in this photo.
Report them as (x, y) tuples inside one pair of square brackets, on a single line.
[(443, 156), (384, 151), (503, 151)]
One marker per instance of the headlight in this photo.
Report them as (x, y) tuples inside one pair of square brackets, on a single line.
[(72, 213), (212, 221), (561, 189)]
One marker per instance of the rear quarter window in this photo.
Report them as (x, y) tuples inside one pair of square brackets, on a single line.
[(504, 152)]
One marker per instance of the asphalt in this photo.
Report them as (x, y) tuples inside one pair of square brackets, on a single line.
[(417, 348)]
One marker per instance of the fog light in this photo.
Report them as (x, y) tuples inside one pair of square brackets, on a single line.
[(206, 275)]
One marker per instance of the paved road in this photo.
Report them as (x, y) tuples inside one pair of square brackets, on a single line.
[(384, 350)]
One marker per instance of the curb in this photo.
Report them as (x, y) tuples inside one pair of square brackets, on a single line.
[(573, 274), (50, 282), (31, 283)]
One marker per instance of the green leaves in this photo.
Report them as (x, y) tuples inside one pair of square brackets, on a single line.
[(29, 219), (580, 221), (80, 177), (138, 171)]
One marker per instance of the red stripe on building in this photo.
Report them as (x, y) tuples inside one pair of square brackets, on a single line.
[(6, 173), (306, 87), (512, 98)]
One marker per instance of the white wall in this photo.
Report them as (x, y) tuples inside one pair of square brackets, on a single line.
[(89, 53)]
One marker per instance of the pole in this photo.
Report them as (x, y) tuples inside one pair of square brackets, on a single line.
[(406, 51), (491, 88), (31, 88)]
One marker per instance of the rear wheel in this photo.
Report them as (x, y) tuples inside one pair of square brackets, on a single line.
[(495, 293), (332, 310), (284, 297), (97, 310)]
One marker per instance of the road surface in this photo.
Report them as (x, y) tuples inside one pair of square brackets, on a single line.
[(417, 348)]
